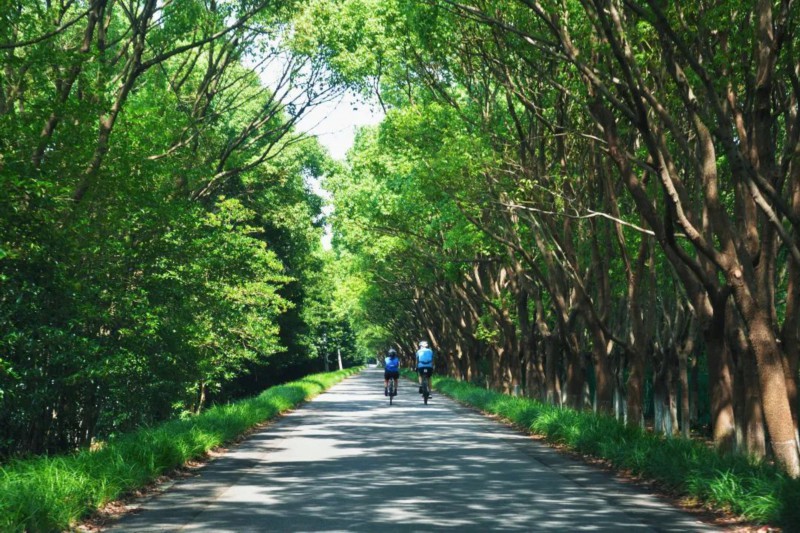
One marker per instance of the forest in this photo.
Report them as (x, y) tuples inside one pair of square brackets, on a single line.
[(595, 203), (159, 242)]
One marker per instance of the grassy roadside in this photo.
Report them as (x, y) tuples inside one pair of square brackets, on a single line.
[(756, 491), (53, 493)]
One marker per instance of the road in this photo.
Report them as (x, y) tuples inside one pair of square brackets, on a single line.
[(347, 461)]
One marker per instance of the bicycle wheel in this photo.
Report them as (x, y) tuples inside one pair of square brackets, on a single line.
[(426, 391), (391, 391)]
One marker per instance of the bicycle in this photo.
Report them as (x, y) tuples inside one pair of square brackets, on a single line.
[(426, 387), (392, 390)]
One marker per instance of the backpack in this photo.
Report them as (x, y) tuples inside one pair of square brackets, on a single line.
[(425, 356)]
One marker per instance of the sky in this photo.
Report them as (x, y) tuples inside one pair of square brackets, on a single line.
[(334, 123)]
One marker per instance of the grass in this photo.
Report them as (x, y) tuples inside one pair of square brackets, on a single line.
[(757, 491), (54, 493)]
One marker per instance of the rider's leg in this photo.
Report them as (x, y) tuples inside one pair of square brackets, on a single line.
[(385, 386), (428, 374)]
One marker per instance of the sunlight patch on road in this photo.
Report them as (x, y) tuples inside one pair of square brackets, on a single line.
[(414, 510), (302, 449), (249, 494)]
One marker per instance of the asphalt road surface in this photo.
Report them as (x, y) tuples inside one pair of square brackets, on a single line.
[(347, 461)]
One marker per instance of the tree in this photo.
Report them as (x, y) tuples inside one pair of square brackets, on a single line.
[(155, 221), (573, 139)]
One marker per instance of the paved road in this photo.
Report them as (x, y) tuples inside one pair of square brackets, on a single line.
[(348, 462)]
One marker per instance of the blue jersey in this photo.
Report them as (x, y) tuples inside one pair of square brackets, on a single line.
[(424, 358), (391, 364)]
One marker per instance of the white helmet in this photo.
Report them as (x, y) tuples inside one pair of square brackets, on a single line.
[(423, 344)]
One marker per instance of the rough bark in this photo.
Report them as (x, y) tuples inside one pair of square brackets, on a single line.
[(771, 378), (720, 377)]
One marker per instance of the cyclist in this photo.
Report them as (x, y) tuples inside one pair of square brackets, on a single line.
[(424, 362), (391, 370)]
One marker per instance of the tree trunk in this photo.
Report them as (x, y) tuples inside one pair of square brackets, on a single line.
[(683, 378), (660, 395), (755, 439), (720, 378), (201, 397), (635, 388), (673, 383), (790, 333), (769, 361), (552, 364), (603, 378), (575, 376), (694, 386)]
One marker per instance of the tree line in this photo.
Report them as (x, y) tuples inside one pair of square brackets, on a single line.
[(159, 243), (594, 203)]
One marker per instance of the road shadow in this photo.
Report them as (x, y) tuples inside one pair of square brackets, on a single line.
[(348, 461)]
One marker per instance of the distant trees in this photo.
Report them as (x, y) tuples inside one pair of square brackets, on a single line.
[(592, 203), (157, 234)]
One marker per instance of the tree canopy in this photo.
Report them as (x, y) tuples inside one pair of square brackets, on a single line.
[(159, 240), (593, 203)]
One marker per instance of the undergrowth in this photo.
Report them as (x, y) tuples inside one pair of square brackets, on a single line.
[(757, 491), (53, 493)]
